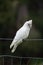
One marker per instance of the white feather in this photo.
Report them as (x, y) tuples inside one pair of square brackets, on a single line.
[(21, 34)]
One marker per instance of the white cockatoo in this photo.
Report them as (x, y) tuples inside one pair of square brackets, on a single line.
[(21, 35)]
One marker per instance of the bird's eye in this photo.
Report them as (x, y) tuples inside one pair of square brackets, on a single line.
[(29, 25)]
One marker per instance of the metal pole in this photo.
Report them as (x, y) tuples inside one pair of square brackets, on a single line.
[(11, 60), (3, 60), (20, 61)]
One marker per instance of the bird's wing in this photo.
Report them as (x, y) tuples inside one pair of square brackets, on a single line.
[(17, 39), (20, 35)]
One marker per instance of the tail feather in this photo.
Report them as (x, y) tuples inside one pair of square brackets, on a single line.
[(11, 45), (14, 48), (14, 45), (13, 42)]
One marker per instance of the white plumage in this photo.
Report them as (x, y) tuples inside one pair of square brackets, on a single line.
[(21, 34)]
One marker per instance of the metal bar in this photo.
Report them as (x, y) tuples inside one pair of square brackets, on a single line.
[(20, 57), (3, 60), (10, 39), (7, 39), (11, 61), (20, 61)]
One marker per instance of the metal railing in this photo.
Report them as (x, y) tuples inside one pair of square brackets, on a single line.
[(16, 60)]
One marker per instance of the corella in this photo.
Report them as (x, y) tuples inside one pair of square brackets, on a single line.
[(21, 35)]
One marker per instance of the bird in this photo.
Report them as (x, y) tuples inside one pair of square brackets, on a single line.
[(21, 35)]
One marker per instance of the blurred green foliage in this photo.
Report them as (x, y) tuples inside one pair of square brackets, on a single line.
[(36, 62)]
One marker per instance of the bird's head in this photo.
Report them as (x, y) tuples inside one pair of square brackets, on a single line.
[(28, 23)]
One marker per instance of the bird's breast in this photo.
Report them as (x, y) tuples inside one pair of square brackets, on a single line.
[(26, 32)]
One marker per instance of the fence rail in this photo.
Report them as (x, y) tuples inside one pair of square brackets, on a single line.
[(20, 57), (9, 39), (17, 60)]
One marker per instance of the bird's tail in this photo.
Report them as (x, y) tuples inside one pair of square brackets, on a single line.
[(13, 46)]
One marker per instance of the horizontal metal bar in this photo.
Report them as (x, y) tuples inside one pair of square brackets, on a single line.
[(10, 39), (7, 39), (20, 57)]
